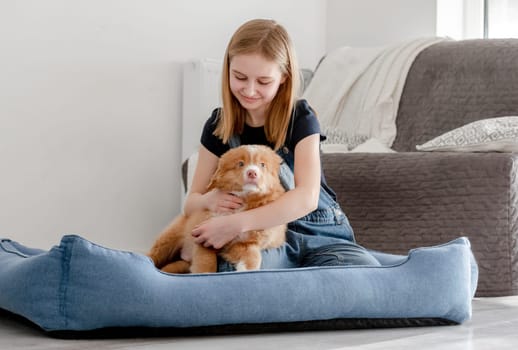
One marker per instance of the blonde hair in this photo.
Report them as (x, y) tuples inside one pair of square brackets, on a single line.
[(271, 40)]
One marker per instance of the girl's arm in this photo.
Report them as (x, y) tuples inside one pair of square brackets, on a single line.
[(198, 197), (218, 231)]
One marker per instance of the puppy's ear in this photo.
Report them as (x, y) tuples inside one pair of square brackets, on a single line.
[(278, 160)]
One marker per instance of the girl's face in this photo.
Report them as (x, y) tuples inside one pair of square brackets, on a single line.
[(254, 81)]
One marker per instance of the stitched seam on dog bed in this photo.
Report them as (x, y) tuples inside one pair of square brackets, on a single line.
[(8, 247), (462, 241), (67, 246)]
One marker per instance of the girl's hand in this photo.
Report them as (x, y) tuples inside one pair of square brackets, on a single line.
[(222, 202), (216, 232)]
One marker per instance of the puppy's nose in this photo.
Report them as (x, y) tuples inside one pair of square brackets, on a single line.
[(251, 174)]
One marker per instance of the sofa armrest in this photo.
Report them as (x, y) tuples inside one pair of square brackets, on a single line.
[(400, 201)]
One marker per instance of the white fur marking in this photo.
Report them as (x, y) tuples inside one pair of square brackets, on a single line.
[(253, 168), (249, 188), (251, 148), (240, 266)]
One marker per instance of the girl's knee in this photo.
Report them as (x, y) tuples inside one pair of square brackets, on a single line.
[(341, 254)]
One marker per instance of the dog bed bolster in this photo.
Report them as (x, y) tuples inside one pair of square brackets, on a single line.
[(81, 286)]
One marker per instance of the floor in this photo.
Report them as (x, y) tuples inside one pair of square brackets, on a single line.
[(493, 326)]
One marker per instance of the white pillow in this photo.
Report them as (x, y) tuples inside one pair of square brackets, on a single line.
[(336, 136), (372, 146), (486, 135), (334, 148)]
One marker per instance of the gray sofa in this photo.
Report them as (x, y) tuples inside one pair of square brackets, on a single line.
[(399, 201)]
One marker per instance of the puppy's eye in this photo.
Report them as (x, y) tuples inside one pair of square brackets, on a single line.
[(262, 165), (241, 164)]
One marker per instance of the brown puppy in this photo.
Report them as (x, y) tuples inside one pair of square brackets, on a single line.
[(251, 172)]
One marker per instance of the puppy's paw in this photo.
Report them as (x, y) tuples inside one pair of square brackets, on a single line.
[(241, 266), (247, 265)]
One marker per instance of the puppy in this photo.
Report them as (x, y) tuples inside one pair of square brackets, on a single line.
[(250, 172)]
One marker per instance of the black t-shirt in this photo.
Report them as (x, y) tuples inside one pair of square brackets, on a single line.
[(304, 123)]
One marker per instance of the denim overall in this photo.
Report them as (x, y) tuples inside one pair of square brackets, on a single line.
[(324, 237)]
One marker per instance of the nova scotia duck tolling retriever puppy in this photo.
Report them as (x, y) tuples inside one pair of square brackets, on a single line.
[(249, 171)]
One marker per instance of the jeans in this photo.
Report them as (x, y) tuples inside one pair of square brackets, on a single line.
[(324, 237), (303, 250)]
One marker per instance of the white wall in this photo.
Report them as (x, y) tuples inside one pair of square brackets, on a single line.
[(90, 103), (378, 22)]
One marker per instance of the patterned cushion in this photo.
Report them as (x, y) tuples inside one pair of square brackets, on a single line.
[(338, 136), (486, 135)]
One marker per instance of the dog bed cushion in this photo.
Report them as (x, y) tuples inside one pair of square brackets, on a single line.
[(80, 286)]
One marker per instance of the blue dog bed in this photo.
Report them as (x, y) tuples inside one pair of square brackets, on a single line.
[(79, 286)]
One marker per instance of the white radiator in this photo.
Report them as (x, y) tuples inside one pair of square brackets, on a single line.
[(201, 94)]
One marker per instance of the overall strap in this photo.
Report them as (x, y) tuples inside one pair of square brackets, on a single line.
[(234, 141), (286, 176)]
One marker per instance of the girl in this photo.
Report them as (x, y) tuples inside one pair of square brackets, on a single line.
[(259, 87)]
